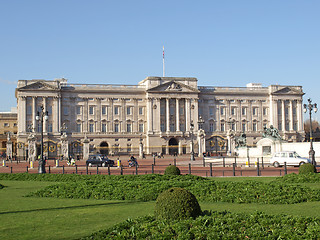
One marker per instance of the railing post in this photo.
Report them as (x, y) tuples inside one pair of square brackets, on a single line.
[(285, 168), (63, 169), (190, 168), (97, 169), (10, 169), (203, 162), (152, 168), (224, 161), (49, 169), (211, 170), (234, 169), (174, 162), (121, 170), (136, 169), (235, 161), (27, 169), (76, 169), (87, 169), (258, 170), (109, 170), (154, 159), (262, 162)]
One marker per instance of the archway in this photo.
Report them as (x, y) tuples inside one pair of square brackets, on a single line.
[(173, 146), (104, 148)]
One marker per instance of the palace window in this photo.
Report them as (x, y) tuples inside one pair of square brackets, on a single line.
[(254, 127), (141, 127), (129, 110), (222, 128), (116, 110), (78, 110), (129, 127), (211, 127), (140, 110), (103, 127), (222, 110), (91, 127), (116, 127), (104, 110), (91, 110), (244, 111), (244, 127), (78, 127)]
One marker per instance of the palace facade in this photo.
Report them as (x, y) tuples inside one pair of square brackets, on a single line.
[(160, 114)]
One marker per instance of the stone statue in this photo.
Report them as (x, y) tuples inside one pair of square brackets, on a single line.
[(271, 132), (241, 141)]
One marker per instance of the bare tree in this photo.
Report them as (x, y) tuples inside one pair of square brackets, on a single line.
[(315, 125)]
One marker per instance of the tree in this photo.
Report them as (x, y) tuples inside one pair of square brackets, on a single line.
[(315, 125)]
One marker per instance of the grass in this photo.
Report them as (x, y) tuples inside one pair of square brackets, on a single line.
[(51, 218)]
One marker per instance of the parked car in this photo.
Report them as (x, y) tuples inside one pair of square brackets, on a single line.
[(290, 157), (99, 160)]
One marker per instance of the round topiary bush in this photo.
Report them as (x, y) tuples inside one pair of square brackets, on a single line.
[(172, 170), (307, 168), (177, 204)]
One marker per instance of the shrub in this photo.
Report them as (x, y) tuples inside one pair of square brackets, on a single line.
[(172, 170), (307, 168), (177, 204)]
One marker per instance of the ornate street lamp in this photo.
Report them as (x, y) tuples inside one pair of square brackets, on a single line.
[(191, 131), (41, 116), (311, 107)]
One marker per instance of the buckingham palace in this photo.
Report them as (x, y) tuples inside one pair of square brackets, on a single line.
[(169, 115)]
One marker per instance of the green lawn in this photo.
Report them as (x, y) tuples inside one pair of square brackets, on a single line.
[(51, 218)]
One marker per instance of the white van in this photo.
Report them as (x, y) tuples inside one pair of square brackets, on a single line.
[(290, 157)]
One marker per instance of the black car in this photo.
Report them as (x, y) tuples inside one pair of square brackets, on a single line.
[(99, 160)]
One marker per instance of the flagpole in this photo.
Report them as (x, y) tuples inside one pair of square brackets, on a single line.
[(163, 61)]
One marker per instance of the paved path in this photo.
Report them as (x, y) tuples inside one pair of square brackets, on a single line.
[(211, 167)]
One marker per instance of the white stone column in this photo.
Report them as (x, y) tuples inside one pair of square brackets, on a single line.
[(123, 115), (299, 115), (149, 114), (45, 122), (177, 115), (98, 115), (22, 116), (157, 116), (110, 116), (55, 115), (34, 113), (283, 116), (187, 113), (168, 114), (291, 116)]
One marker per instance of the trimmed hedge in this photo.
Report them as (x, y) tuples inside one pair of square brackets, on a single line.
[(177, 203), (172, 170), (216, 225), (307, 168)]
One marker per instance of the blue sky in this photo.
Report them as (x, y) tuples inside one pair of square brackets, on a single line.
[(222, 43)]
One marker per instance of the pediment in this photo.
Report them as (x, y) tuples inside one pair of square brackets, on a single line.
[(173, 87), (287, 90), (40, 85)]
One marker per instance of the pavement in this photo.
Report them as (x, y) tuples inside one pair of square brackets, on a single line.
[(215, 167)]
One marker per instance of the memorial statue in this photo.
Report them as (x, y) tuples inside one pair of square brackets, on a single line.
[(241, 141), (271, 132)]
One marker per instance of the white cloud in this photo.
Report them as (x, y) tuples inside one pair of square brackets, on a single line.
[(8, 82)]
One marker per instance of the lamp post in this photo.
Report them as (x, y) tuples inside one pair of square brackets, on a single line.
[(311, 107), (41, 116), (191, 131)]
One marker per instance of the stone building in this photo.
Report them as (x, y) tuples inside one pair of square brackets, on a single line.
[(8, 131), (160, 114)]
